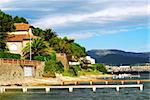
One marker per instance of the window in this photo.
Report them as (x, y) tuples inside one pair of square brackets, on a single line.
[(13, 47), (28, 71)]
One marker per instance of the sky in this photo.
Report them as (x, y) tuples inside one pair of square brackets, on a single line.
[(94, 24)]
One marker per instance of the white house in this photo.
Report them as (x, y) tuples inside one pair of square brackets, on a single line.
[(17, 40), (91, 60), (74, 63)]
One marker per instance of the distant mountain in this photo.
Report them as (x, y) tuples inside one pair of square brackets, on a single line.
[(118, 57)]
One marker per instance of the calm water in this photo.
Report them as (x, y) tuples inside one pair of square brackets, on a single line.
[(84, 94)]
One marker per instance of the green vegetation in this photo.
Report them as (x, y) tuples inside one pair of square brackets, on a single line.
[(17, 19), (6, 25), (60, 45), (72, 71), (9, 55), (85, 70), (100, 68), (52, 67), (39, 48), (3, 46)]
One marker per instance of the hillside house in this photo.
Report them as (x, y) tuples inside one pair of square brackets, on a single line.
[(88, 60), (17, 40)]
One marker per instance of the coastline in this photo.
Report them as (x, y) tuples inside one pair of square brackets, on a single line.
[(49, 81)]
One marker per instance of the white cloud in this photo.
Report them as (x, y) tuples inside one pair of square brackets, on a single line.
[(5, 1), (102, 16), (84, 35), (27, 9), (79, 35)]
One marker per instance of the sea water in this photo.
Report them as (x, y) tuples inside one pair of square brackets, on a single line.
[(83, 94)]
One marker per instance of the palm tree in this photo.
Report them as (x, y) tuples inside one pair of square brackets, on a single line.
[(38, 47), (48, 34)]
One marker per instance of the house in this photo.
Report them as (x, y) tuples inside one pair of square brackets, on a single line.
[(17, 40), (86, 60), (74, 63), (89, 60)]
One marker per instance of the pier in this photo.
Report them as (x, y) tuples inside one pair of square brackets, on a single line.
[(91, 82), (70, 88)]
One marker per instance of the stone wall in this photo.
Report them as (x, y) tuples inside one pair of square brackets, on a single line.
[(14, 69), (11, 72), (63, 58)]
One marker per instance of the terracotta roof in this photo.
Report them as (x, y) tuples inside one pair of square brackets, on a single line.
[(22, 26), (20, 37)]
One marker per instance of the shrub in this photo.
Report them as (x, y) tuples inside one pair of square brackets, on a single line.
[(9, 55), (100, 67), (72, 71), (49, 74), (53, 56), (59, 68), (42, 58), (52, 67)]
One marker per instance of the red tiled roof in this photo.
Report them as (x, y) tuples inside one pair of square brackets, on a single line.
[(19, 37), (22, 26)]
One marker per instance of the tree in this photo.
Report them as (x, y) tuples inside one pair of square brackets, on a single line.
[(3, 46), (6, 25), (48, 34), (68, 46), (38, 47), (19, 20), (101, 68), (37, 31)]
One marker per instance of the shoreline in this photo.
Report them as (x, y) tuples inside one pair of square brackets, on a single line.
[(49, 81)]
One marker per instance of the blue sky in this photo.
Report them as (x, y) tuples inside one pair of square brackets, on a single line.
[(95, 24)]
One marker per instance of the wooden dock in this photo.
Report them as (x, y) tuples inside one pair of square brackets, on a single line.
[(70, 88), (75, 82)]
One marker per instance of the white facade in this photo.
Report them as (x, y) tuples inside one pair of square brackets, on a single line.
[(90, 59), (124, 66), (74, 63)]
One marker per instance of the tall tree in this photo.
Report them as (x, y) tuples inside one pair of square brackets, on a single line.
[(19, 20), (6, 25), (37, 31), (38, 47), (3, 46), (48, 34)]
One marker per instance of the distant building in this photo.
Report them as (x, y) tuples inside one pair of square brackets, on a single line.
[(124, 66), (74, 63), (89, 60), (17, 40)]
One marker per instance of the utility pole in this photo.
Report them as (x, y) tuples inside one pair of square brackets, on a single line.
[(30, 32)]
